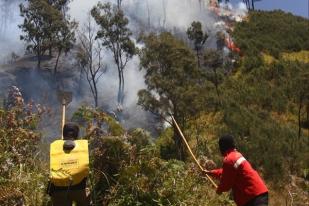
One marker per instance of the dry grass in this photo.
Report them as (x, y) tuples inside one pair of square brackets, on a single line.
[(268, 59), (302, 56)]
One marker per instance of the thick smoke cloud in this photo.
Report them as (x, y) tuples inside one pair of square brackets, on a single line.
[(154, 15), (165, 14), (146, 15)]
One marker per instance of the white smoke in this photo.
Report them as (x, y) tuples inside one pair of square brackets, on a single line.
[(9, 32), (235, 12), (150, 15), (155, 15), (169, 13), (161, 13)]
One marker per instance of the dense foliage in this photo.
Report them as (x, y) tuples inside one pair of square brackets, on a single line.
[(272, 32), (46, 27), (128, 169), (22, 173), (175, 84)]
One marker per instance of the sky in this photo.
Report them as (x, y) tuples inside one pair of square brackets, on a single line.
[(297, 7)]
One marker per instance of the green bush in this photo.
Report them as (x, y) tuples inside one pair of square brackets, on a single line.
[(21, 165)]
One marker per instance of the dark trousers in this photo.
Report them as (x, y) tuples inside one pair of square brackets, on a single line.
[(66, 198), (261, 200)]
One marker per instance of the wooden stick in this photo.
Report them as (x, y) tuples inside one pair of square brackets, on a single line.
[(64, 97), (63, 120), (193, 156)]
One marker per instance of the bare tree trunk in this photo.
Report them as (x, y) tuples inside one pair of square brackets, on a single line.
[(198, 58), (39, 57), (247, 4), (119, 86), (178, 144), (50, 53), (57, 61), (180, 150), (80, 81), (95, 91), (252, 1), (119, 3), (120, 67), (122, 87)]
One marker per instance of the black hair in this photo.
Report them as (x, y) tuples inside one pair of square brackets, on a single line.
[(226, 142), (70, 131)]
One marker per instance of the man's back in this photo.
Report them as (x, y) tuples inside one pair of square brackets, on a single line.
[(69, 167), (247, 183)]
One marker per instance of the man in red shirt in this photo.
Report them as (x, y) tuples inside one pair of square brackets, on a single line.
[(237, 174)]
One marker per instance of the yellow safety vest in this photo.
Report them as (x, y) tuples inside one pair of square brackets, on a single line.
[(68, 168)]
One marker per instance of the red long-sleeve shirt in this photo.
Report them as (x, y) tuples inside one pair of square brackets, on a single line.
[(238, 175)]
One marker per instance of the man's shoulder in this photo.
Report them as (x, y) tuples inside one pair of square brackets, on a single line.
[(232, 157)]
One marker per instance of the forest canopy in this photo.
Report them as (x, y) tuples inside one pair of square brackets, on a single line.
[(272, 32)]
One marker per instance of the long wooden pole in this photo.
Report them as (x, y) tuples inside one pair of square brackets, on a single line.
[(64, 98), (193, 156), (63, 120)]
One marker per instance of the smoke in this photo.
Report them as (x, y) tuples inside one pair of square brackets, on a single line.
[(235, 12), (169, 14), (9, 33), (165, 13), (144, 15), (147, 15)]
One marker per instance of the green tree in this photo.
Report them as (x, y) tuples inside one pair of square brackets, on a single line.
[(61, 8), (61, 5), (195, 33), (173, 81), (62, 34), (45, 27), (64, 38), (115, 36), (36, 14)]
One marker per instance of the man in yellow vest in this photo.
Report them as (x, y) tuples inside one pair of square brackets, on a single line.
[(66, 195)]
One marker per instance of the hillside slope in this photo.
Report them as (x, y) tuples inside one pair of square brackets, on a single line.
[(261, 98)]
